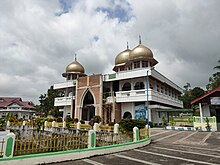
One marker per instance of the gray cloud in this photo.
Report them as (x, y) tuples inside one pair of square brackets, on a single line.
[(37, 43)]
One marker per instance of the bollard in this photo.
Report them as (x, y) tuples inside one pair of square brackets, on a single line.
[(64, 124), (96, 127), (78, 125), (135, 134), (53, 124), (116, 125), (92, 139), (45, 124), (8, 124), (9, 145)]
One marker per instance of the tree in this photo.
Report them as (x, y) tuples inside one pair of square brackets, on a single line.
[(46, 106), (190, 94), (214, 81)]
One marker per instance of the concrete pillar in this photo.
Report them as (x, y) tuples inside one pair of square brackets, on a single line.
[(53, 124), (45, 124), (8, 150), (64, 124), (96, 127), (116, 128), (135, 134), (78, 125), (92, 139)]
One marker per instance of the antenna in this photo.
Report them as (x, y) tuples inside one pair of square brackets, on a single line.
[(139, 39)]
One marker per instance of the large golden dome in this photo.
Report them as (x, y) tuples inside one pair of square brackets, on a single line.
[(141, 51), (122, 57), (75, 67)]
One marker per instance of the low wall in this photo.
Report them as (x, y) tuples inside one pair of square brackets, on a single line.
[(72, 154)]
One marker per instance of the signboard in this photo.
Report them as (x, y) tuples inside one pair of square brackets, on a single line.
[(215, 100), (140, 112)]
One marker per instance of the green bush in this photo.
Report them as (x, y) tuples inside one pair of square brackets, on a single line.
[(59, 119), (50, 119), (97, 119), (82, 121), (129, 124), (76, 120)]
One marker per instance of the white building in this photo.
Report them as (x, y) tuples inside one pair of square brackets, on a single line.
[(17, 107), (135, 90)]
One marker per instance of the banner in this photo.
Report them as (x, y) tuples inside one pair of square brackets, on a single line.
[(140, 112), (215, 100)]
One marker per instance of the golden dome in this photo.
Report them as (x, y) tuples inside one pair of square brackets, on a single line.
[(122, 57), (75, 67), (141, 51)]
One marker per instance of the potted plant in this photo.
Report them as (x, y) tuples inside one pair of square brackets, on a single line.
[(208, 126), (164, 122)]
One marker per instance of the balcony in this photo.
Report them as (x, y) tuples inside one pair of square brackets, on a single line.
[(141, 95), (63, 101), (66, 84), (126, 74)]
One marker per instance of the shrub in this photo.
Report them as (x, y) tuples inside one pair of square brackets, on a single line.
[(68, 119), (129, 124), (82, 121), (97, 119), (111, 124), (50, 119), (59, 119), (76, 120)]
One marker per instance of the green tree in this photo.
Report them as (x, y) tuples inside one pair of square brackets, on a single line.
[(214, 81), (190, 94), (46, 106)]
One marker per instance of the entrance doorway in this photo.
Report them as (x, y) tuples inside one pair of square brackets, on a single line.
[(88, 110)]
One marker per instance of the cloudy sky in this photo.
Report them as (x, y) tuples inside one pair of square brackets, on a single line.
[(39, 38)]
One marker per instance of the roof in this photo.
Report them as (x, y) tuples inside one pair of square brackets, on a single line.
[(175, 110), (205, 95), (7, 101)]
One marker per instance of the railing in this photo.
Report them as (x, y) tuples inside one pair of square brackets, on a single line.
[(50, 143), (62, 101), (202, 125), (141, 95)]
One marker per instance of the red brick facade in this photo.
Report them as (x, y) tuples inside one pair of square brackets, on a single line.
[(93, 84)]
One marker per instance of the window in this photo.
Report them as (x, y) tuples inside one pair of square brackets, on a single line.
[(122, 68), (161, 90), (139, 85), (151, 86), (165, 91), (126, 87), (144, 64), (137, 64), (158, 88)]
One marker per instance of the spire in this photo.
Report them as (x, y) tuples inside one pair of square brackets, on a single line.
[(139, 39), (127, 45), (75, 56)]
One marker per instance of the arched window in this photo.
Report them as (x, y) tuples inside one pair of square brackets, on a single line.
[(127, 115), (126, 87), (88, 110), (139, 85)]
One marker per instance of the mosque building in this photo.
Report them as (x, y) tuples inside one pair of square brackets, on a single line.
[(135, 90)]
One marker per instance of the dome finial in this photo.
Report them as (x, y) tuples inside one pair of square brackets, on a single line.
[(75, 56), (127, 45), (140, 39)]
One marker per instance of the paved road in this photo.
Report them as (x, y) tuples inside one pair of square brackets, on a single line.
[(167, 147)]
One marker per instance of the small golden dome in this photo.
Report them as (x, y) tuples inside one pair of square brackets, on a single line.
[(141, 51), (75, 67), (122, 57)]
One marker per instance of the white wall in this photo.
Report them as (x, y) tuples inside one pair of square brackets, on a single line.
[(205, 110), (127, 107)]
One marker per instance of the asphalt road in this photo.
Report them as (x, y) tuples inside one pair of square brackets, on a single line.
[(167, 147)]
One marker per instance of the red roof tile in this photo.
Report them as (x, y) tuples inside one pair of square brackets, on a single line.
[(6, 101)]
